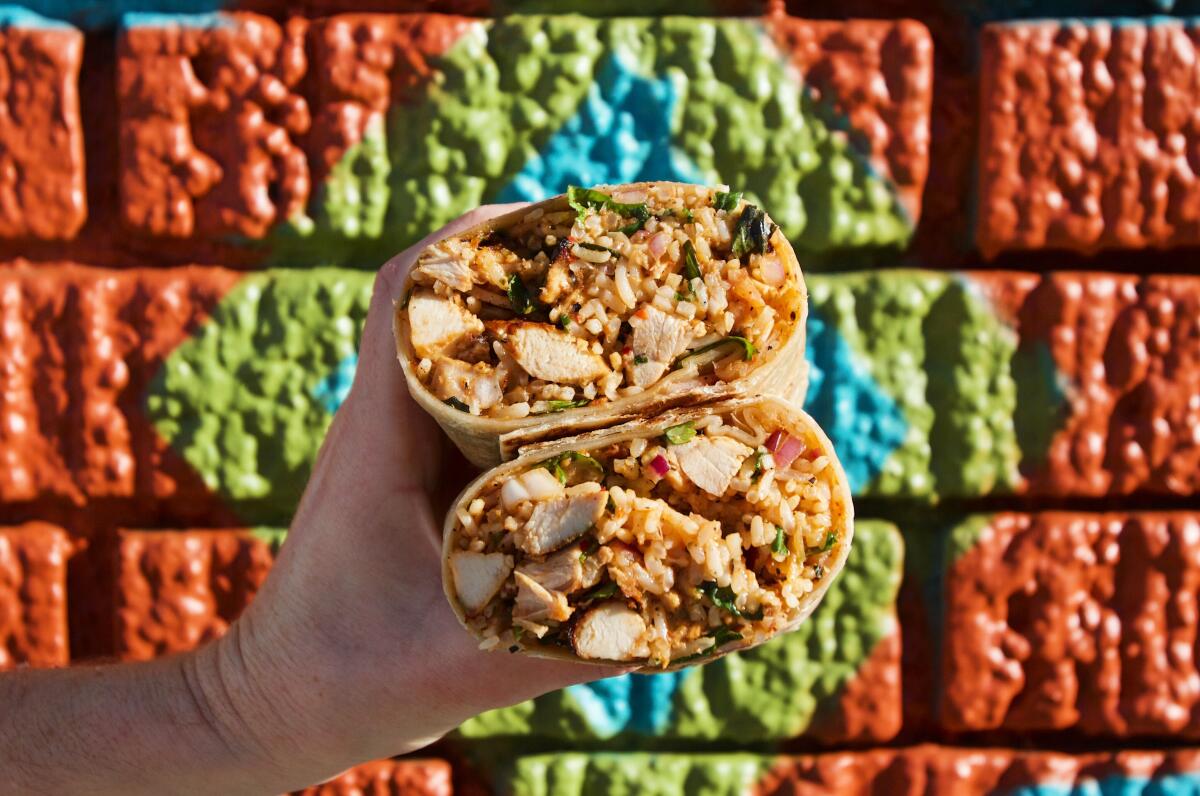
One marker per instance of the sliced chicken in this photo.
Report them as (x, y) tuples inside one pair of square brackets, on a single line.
[(560, 521), (558, 281), (611, 631), (562, 571), (658, 338), (536, 603), (548, 354), (450, 268), (711, 463), (476, 385), (438, 325), (627, 569), (478, 577)]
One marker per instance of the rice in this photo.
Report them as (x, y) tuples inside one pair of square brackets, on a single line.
[(688, 556), (591, 289)]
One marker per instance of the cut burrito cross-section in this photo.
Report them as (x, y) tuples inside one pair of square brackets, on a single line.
[(600, 305), (656, 544)]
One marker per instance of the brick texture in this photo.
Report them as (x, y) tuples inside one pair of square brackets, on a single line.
[(33, 595), (177, 589), (1088, 137)]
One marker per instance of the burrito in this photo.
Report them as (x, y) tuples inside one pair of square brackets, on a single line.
[(601, 305), (655, 544)]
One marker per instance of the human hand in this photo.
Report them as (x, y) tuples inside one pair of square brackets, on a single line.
[(351, 651)]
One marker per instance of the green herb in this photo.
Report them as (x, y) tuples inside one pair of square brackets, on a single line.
[(723, 597), (749, 349), (721, 636), (583, 199), (556, 465), (830, 540), (752, 233), (457, 404), (564, 321), (640, 359), (779, 547), (495, 538), (818, 571), (678, 212), (680, 434), (691, 268), (679, 296), (601, 592), (727, 201), (758, 465), (561, 406), (596, 247), (518, 632), (519, 297), (589, 548)]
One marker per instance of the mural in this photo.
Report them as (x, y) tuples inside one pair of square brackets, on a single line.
[(997, 216)]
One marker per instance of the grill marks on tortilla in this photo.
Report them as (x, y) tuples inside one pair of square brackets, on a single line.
[(547, 353)]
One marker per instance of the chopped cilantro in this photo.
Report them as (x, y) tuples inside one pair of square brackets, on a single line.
[(457, 404), (596, 247), (723, 597), (748, 348), (727, 201), (721, 636), (691, 268), (564, 321), (561, 406), (519, 297), (830, 540), (758, 464), (779, 547), (583, 199), (678, 212), (680, 434), (640, 359), (601, 592), (557, 464), (589, 548), (752, 233)]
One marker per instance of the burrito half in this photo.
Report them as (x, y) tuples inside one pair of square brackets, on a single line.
[(597, 306), (655, 544)]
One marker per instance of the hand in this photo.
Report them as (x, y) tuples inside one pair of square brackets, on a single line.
[(350, 651)]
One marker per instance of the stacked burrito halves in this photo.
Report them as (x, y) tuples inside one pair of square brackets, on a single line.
[(629, 361)]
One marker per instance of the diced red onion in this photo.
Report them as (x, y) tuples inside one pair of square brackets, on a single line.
[(774, 440), (658, 244), (788, 450), (659, 465)]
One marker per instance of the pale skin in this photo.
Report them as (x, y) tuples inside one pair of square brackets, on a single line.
[(349, 653)]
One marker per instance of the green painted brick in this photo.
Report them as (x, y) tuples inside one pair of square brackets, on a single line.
[(575, 774), (770, 693)]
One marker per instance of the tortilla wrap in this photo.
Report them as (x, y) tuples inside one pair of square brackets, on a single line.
[(500, 556), (778, 368)]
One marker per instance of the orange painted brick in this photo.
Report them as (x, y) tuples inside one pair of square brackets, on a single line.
[(33, 595), (42, 192), (1067, 621), (1088, 135), (209, 117), (389, 778), (178, 589)]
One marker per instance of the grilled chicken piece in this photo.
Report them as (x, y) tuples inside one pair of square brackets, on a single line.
[(560, 521), (448, 267), (558, 281), (475, 385), (489, 263), (611, 631), (478, 576), (658, 337), (536, 603), (438, 325), (548, 354), (562, 571), (711, 463), (628, 570)]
